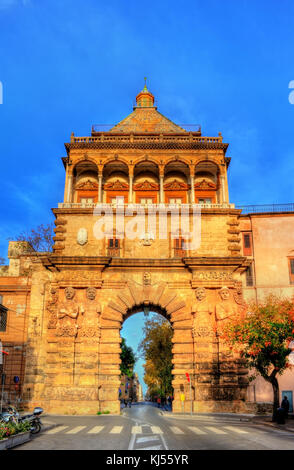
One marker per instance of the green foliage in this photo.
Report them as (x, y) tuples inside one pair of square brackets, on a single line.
[(9, 429), (262, 337), (128, 359), (156, 348)]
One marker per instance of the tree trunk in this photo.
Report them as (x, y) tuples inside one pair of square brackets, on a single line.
[(275, 385)]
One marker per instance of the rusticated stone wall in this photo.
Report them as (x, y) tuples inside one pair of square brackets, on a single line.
[(73, 354)]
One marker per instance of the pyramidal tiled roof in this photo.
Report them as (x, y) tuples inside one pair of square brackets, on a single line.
[(143, 120), (146, 119)]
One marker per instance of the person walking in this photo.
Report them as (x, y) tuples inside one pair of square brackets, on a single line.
[(285, 405), (158, 402)]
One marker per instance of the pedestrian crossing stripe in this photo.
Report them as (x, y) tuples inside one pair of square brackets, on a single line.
[(116, 430), (156, 430), (176, 430), (75, 430), (95, 430), (216, 430), (235, 429), (136, 430), (196, 430), (56, 430)]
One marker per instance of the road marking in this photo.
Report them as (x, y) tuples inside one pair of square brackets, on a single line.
[(176, 430), (136, 430), (139, 440), (75, 430), (56, 430), (216, 430), (116, 430), (156, 430), (152, 448), (196, 430), (239, 431), (95, 430)]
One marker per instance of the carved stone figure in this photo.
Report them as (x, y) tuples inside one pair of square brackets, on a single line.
[(202, 310), (68, 314), (146, 278), (90, 326), (82, 236), (225, 308), (51, 307)]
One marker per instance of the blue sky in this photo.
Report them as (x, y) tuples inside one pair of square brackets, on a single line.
[(65, 65)]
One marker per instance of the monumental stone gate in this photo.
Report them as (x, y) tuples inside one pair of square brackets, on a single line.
[(82, 292)]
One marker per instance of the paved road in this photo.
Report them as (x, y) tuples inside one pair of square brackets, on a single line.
[(142, 427)]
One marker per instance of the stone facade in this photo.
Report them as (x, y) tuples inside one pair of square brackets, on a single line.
[(79, 295)]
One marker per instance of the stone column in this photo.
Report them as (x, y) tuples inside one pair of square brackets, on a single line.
[(192, 173), (161, 190), (99, 187), (130, 189), (69, 188)]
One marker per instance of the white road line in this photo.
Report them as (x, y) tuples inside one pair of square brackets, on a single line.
[(235, 429), (56, 430), (95, 430), (215, 430), (116, 430), (136, 430), (139, 440), (151, 448), (176, 430), (75, 430), (156, 430), (196, 430)]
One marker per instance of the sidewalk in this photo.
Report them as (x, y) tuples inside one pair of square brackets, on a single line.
[(267, 421), (264, 420)]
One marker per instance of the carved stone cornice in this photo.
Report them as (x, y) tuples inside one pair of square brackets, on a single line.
[(87, 185), (146, 144), (146, 186), (176, 185), (116, 186)]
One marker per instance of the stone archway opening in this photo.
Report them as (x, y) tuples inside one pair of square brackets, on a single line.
[(133, 298), (148, 331)]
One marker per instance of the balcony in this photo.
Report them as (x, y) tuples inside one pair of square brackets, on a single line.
[(133, 206)]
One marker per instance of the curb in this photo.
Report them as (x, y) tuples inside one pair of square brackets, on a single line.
[(218, 416), (281, 427)]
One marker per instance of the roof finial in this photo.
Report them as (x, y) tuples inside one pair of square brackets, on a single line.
[(145, 86)]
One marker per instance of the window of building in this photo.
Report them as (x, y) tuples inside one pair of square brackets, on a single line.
[(175, 200), (179, 250), (3, 318), (291, 270), (249, 277), (247, 244), (113, 243), (204, 200), (146, 200), (87, 200)]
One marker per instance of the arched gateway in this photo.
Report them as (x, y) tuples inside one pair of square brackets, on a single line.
[(81, 293)]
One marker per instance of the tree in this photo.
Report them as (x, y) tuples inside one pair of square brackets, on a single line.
[(262, 337), (128, 359), (41, 238), (156, 348)]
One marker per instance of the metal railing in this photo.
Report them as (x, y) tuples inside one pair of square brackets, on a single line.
[(262, 208)]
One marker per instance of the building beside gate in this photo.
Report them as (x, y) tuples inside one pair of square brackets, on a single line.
[(122, 244)]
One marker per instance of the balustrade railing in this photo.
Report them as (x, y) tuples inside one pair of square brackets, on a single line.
[(136, 206)]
